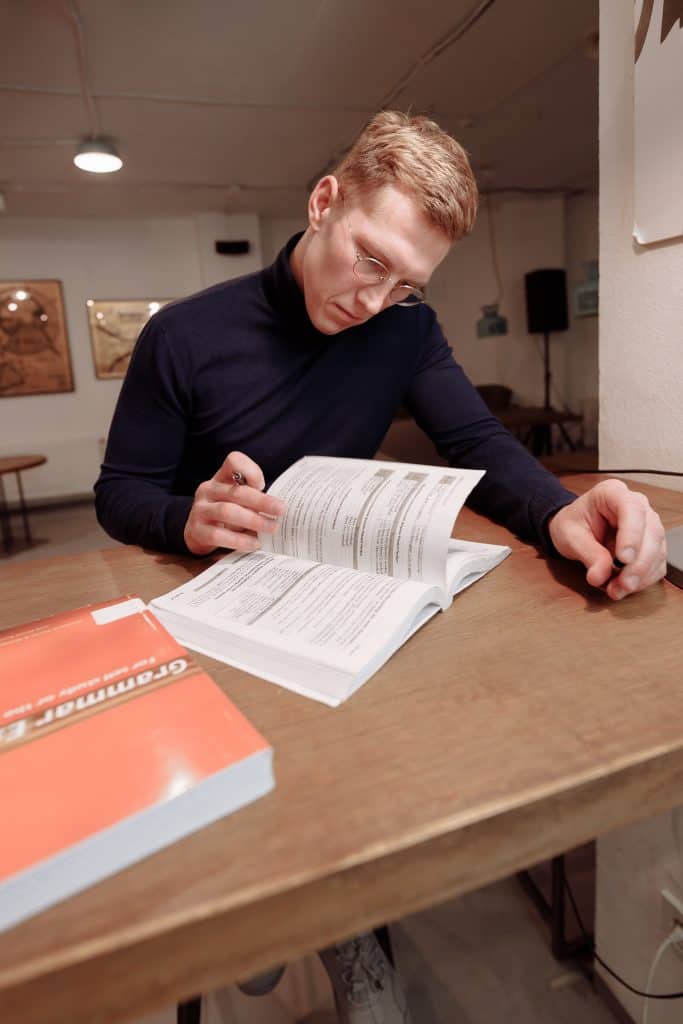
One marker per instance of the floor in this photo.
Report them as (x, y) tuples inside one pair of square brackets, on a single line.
[(480, 959)]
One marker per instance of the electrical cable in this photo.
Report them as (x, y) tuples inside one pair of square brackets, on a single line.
[(626, 984), (494, 251), (455, 33), (440, 46), (86, 92), (675, 936), (655, 472)]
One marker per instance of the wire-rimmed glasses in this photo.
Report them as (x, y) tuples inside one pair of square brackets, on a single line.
[(372, 271)]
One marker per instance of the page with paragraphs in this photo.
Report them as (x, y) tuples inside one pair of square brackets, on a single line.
[(325, 613), (389, 518)]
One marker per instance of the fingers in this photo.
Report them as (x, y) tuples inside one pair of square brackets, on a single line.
[(584, 529), (242, 495), (238, 462), (598, 562), (231, 515), (631, 510), (648, 564)]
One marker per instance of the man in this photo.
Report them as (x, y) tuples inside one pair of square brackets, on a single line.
[(313, 356)]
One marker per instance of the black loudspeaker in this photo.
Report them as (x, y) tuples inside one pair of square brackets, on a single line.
[(240, 247), (546, 301)]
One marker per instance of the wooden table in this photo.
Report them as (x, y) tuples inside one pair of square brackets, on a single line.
[(15, 464), (532, 716)]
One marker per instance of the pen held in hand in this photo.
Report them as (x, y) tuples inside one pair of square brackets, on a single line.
[(239, 480)]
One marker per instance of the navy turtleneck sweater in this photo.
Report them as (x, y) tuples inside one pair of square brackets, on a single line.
[(240, 367)]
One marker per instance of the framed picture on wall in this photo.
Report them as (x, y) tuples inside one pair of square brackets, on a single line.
[(34, 345), (114, 327)]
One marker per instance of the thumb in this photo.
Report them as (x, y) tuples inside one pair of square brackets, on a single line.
[(597, 560)]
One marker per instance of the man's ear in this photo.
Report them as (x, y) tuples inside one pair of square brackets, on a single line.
[(321, 201)]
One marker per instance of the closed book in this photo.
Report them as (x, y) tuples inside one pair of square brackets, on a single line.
[(114, 743)]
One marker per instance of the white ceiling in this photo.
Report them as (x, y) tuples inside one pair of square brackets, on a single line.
[(237, 105)]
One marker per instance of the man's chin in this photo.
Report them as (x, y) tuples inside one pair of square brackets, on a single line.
[(333, 319)]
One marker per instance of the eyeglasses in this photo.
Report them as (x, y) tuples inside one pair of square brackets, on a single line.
[(372, 271)]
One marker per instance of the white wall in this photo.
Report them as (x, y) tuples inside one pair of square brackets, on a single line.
[(641, 355), (530, 233), (174, 257), (641, 420), (160, 258), (276, 231)]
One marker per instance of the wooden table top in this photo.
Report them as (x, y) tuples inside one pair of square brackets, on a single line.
[(532, 716), (15, 463)]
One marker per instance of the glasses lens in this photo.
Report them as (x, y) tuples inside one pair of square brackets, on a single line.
[(402, 295), (370, 270)]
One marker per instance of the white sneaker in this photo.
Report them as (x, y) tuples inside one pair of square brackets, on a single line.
[(367, 989)]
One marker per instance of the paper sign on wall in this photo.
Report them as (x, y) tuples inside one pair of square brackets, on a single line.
[(658, 119)]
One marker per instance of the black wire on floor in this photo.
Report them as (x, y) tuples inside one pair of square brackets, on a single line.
[(631, 988)]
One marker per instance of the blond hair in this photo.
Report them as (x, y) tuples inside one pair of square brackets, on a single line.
[(414, 153)]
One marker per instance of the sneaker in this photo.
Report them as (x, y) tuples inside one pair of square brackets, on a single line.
[(367, 989), (261, 984)]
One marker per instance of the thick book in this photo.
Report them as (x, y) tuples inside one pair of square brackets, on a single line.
[(113, 744), (363, 557)]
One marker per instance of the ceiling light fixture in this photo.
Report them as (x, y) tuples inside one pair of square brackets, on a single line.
[(98, 155)]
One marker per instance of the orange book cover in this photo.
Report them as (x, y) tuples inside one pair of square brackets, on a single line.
[(113, 744)]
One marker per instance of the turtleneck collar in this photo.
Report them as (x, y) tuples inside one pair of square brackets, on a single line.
[(281, 289)]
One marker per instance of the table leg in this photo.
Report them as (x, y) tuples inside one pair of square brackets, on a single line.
[(554, 911), (565, 435), (23, 509), (5, 518), (189, 1012)]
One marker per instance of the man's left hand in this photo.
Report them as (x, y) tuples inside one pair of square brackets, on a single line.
[(612, 521)]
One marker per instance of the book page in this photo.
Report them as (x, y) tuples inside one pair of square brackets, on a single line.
[(388, 518), (468, 561), (329, 614)]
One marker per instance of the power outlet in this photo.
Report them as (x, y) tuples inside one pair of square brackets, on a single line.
[(672, 916)]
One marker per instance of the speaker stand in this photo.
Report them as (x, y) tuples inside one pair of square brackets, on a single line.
[(546, 369), (543, 439)]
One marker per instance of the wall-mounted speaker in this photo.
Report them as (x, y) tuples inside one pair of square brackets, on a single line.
[(546, 301), (238, 247)]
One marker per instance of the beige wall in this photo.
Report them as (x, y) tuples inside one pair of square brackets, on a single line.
[(641, 420)]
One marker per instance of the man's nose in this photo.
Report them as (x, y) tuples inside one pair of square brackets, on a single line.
[(373, 296)]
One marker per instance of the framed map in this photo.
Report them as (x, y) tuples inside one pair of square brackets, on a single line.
[(34, 346), (114, 327)]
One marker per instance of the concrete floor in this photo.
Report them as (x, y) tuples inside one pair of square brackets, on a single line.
[(481, 959)]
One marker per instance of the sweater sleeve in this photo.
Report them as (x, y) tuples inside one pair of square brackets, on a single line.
[(134, 495), (517, 491)]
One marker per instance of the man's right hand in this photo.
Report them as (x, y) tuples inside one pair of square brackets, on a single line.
[(226, 514)]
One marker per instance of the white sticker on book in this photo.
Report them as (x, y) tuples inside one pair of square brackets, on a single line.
[(101, 616)]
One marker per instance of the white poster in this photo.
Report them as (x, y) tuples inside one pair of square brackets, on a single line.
[(658, 95)]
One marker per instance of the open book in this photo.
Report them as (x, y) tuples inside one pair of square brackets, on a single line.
[(363, 558)]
